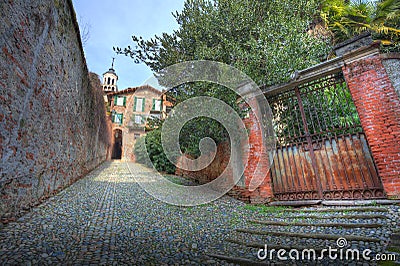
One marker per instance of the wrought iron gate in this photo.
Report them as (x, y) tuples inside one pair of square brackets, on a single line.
[(321, 151)]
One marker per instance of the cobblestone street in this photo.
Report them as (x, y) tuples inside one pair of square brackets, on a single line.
[(107, 218)]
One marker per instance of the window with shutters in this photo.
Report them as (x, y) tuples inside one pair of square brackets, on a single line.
[(139, 104), (156, 105), (117, 118), (120, 101)]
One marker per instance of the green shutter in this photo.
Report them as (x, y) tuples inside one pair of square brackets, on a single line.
[(143, 104), (134, 104), (115, 100), (122, 119), (112, 117), (124, 101), (154, 105)]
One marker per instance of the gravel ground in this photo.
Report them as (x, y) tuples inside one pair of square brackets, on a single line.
[(107, 218)]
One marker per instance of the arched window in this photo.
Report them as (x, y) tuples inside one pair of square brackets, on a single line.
[(108, 81), (112, 82)]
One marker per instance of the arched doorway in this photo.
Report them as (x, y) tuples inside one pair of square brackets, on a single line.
[(117, 147)]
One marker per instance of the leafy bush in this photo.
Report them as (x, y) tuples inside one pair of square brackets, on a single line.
[(140, 150), (151, 144)]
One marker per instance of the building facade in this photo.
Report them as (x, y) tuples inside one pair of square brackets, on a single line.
[(129, 111)]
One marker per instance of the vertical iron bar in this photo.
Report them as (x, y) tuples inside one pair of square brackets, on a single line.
[(309, 141), (299, 139)]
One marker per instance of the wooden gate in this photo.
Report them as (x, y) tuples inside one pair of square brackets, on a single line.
[(321, 151)]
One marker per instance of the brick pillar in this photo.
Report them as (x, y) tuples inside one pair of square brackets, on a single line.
[(258, 156), (378, 107)]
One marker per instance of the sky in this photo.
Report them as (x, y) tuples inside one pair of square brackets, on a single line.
[(113, 23)]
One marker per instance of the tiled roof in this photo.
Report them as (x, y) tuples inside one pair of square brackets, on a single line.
[(133, 90)]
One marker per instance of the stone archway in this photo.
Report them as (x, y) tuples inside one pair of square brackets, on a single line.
[(117, 146)]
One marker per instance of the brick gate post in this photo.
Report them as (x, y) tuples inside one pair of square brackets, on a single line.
[(378, 107), (258, 165)]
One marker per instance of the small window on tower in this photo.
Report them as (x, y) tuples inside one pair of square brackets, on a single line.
[(112, 82), (108, 81)]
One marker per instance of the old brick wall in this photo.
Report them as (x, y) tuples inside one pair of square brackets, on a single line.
[(378, 107), (53, 127), (257, 155)]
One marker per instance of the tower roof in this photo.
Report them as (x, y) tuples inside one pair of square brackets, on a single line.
[(111, 70)]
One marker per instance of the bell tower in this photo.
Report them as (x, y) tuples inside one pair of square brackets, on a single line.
[(110, 79)]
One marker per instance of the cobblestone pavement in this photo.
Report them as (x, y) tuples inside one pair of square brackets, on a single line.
[(107, 218)]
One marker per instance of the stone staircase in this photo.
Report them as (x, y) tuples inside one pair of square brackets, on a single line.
[(347, 231)]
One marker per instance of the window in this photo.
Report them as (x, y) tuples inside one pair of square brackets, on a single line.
[(108, 81), (136, 135), (156, 105), (139, 104), (117, 118), (120, 101), (138, 119)]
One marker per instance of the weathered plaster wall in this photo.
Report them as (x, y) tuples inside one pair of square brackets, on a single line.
[(53, 126), (391, 62)]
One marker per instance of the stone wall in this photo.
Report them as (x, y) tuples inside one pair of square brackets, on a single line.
[(53, 127)]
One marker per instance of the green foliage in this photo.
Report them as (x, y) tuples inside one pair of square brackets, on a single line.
[(328, 108), (140, 150), (267, 40), (151, 144), (194, 130), (349, 18)]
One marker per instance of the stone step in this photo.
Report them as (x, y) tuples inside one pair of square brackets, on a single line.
[(306, 235), (343, 225), (351, 209), (270, 246), (342, 216), (239, 261)]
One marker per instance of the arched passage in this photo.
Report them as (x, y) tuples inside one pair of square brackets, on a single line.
[(117, 146)]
